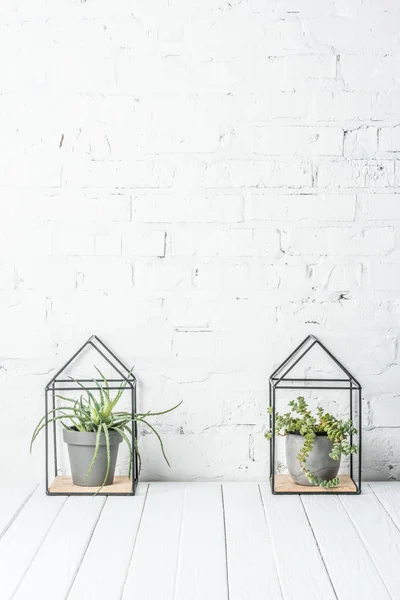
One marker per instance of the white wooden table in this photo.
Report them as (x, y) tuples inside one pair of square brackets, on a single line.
[(200, 541)]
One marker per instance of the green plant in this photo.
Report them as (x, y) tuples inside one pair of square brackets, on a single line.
[(299, 419), (92, 414)]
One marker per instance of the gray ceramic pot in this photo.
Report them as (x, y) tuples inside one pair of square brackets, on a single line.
[(81, 447), (319, 462)]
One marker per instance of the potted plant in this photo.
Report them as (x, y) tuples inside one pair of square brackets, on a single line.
[(93, 429), (314, 443)]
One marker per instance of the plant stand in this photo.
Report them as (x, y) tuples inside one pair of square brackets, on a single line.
[(62, 485), (283, 379)]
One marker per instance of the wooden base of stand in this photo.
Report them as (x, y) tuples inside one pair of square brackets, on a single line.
[(285, 484), (64, 485)]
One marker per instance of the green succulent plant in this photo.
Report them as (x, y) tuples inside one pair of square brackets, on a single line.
[(97, 414), (299, 419)]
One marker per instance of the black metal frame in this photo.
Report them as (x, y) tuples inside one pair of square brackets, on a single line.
[(57, 384), (279, 380)]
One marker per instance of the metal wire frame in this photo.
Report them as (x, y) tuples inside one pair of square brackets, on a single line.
[(280, 381), (126, 376)]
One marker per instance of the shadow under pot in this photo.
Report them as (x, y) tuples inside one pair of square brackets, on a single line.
[(319, 463), (81, 447)]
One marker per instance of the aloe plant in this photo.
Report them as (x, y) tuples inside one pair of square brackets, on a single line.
[(91, 414)]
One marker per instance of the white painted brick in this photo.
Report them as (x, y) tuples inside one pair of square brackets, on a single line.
[(173, 208), (375, 73), (336, 277), (389, 139), (53, 276), (147, 173), (384, 207), (280, 277), (356, 174), (7, 276), (298, 207), (159, 276), (35, 241), (108, 244), (336, 106), (375, 32), (361, 143), (385, 410), (341, 241), (194, 242), (137, 242), (300, 68), (194, 344), (222, 278), (103, 274), (250, 173), (73, 243), (200, 214), (385, 276), (284, 141)]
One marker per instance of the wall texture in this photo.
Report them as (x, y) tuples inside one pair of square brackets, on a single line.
[(202, 183)]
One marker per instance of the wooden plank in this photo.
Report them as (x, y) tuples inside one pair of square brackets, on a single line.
[(58, 559), (351, 568), (110, 549), (252, 573), (378, 534), (388, 494), (64, 485), (301, 569), (12, 500), (284, 483), (202, 570), (23, 539), (152, 571)]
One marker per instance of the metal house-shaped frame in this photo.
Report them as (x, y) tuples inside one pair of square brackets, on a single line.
[(282, 379), (61, 487)]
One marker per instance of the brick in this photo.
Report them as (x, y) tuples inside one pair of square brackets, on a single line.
[(141, 242), (384, 207), (385, 410), (336, 277), (147, 173), (378, 73), (341, 241), (341, 106), (284, 141), (173, 208), (389, 139), (73, 243), (361, 143), (159, 276), (222, 278), (280, 277), (104, 274), (7, 276), (385, 276), (298, 207), (193, 242), (51, 276), (180, 182), (194, 344), (300, 68), (250, 173), (356, 174), (108, 244)]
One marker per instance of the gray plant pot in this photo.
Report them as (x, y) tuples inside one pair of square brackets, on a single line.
[(81, 447), (319, 462)]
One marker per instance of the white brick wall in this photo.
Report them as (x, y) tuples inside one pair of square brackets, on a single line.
[(202, 183)]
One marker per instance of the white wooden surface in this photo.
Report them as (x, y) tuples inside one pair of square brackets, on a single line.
[(176, 541), (249, 546)]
